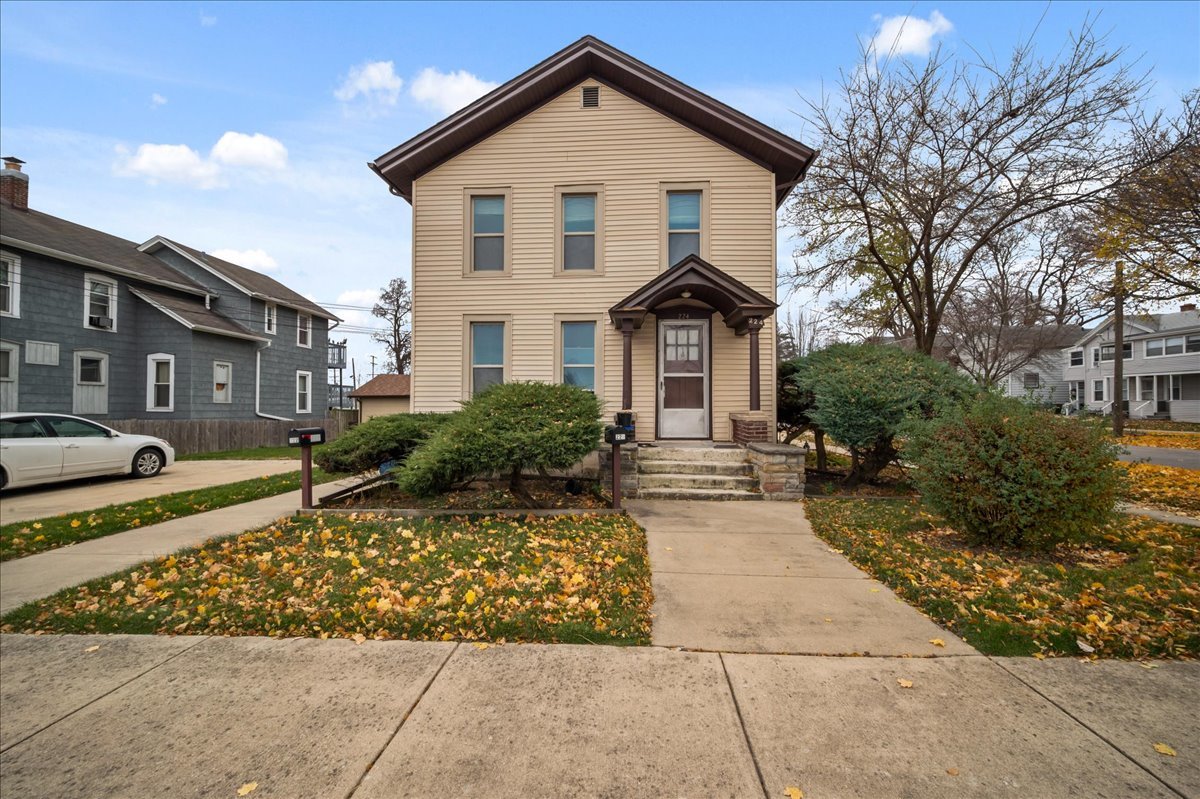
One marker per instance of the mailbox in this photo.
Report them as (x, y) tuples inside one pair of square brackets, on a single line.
[(614, 434), (625, 419), (306, 436)]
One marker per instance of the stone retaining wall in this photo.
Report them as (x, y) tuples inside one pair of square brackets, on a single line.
[(780, 469)]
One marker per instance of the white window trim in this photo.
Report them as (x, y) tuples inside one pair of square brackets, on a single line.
[(1166, 354), (301, 319), (1103, 390), (14, 285), (1082, 358), (95, 355), (14, 362), (271, 319), (151, 359), (308, 394), (88, 279), (228, 385)]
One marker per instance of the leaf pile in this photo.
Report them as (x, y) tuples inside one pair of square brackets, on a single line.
[(1167, 441), (1133, 591), (562, 579), (1168, 488)]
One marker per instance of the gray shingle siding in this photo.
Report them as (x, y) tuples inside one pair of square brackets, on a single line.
[(229, 301), (284, 358), (206, 349)]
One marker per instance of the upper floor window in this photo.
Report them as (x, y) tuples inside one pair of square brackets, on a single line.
[(683, 225), (1107, 350), (579, 354), (487, 355), (1172, 345), (10, 285), (303, 330), (269, 318), (579, 231), (100, 303), (488, 241), (1077, 357)]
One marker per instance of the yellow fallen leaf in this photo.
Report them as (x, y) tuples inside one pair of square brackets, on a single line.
[(668, 549), (480, 645), (247, 788), (1163, 749), (828, 621), (92, 648), (358, 638), (1039, 656), (1148, 666), (75, 522), (904, 683), (953, 772), (874, 590), (792, 792), (937, 642), (469, 598)]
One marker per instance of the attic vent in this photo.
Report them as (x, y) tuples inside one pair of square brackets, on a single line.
[(591, 96)]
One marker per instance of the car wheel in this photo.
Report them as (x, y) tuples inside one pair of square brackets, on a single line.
[(147, 462)]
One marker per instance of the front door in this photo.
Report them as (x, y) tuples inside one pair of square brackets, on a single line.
[(683, 375)]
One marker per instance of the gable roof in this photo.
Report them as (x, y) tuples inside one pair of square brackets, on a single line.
[(385, 386), (57, 238), (1148, 323), (247, 281), (589, 57), (193, 314)]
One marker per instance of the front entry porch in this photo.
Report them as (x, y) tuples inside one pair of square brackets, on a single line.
[(698, 312)]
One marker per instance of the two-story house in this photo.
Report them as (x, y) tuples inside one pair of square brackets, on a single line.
[(1161, 366), (102, 327), (596, 222)]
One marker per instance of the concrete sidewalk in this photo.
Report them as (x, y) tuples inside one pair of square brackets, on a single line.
[(201, 717), (1164, 456), (37, 576), (752, 577)]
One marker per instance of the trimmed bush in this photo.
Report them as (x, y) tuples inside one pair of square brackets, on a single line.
[(508, 429), (864, 394), (1008, 474), (383, 438)]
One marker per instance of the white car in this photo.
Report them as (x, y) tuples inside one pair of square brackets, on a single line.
[(50, 447)]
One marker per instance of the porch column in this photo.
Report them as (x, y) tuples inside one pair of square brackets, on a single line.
[(754, 325), (626, 364)]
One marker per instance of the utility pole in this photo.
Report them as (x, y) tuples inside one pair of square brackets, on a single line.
[(372, 366), (1118, 408)]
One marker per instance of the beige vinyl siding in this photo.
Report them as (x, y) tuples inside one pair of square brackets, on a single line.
[(631, 150), (370, 407)]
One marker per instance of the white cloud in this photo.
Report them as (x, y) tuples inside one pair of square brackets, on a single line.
[(908, 35), (207, 21), (448, 91), (257, 151), (256, 259), (157, 99), (375, 81), (171, 163)]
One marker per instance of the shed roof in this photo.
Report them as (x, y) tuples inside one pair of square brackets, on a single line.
[(384, 386)]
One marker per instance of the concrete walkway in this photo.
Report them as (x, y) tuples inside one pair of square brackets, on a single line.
[(90, 716), (752, 577), (36, 576)]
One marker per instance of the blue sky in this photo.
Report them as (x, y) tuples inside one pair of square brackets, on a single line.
[(244, 129)]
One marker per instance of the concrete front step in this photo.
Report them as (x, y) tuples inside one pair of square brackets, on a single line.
[(727, 468), (697, 493), (715, 482), (692, 454)]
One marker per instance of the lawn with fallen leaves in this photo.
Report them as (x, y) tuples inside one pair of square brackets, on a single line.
[(1131, 592), (578, 579), (1168, 488), (38, 535), (1164, 440)]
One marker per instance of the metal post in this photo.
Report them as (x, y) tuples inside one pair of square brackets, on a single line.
[(755, 401), (306, 476), (616, 476), (626, 365)]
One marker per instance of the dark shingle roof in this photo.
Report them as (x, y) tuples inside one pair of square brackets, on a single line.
[(385, 386), (254, 282), (42, 230), (195, 315)]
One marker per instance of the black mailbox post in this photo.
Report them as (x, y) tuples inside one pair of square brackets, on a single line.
[(616, 435), (305, 438)]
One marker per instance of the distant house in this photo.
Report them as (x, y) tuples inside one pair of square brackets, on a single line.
[(1161, 366), (383, 395), (99, 326)]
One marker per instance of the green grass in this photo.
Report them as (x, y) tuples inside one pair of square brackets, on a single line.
[(578, 579), (1131, 592), (253, 454), (38, 535)]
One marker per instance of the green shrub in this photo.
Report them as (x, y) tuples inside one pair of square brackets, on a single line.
[(383, 438), (864, 394), (508, 429), (1007, 474)]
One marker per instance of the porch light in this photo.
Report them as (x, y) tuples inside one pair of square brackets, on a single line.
[(686, 294)]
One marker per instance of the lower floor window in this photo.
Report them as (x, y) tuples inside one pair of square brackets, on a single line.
[(1032, 380), (303, 392), (487, 355), (222, 381), (579, 354), (1098, 391), (160, 382)]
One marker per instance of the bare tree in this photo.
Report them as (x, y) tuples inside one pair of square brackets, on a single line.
[(800, 333), (395, 308), (950, 155)]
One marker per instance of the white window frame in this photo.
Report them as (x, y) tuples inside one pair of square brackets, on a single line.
[(270, 318), (14, 285), (228, 383), (304, 324), (308, 393), (1113, 347), (14, 362), (1071, 358), (1103, 390), (1037, 381), (88, 279), (94, 355), (151, 373), (1162, 343)]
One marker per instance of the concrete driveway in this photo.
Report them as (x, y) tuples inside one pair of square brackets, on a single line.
[(1163, 456), (36, 502)]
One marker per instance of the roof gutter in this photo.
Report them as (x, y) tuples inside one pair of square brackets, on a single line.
[(82, 261)]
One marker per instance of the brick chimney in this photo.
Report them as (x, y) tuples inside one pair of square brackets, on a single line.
[(1191, 306), (14, 184)]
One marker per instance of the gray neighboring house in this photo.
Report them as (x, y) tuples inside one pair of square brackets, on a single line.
[(1161, 360), (102, 327)]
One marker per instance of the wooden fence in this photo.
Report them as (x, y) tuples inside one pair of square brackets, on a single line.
[(194, 436)]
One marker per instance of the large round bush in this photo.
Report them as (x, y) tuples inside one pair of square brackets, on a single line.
[(508, 429), (383, 438), (1008, 474)]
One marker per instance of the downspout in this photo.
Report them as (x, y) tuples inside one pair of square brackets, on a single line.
[(257, 381)]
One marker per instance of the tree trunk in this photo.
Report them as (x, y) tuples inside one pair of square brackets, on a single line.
[(517, 486), (1118, 407), (819, 435), (866, 469)]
